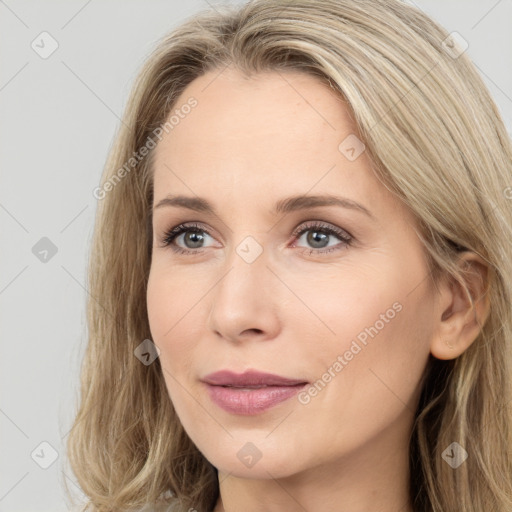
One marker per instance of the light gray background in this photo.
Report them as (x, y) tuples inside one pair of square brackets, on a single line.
[(58, 119)]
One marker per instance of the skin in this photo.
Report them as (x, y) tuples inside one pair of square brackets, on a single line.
[(248, 143)]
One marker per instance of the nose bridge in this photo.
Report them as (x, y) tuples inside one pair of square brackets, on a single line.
[(244, 297), (247, 271)]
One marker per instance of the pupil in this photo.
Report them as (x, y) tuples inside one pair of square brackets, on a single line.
[(313, 238), (195, 238)]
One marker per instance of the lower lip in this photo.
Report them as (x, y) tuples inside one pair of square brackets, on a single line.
[(251, 401)]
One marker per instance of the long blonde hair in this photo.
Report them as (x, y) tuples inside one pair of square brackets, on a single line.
[(436, 139)]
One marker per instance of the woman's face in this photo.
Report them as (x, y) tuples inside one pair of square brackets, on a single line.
[(271, 284)]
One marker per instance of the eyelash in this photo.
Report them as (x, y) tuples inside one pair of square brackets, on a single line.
[(346, 238)]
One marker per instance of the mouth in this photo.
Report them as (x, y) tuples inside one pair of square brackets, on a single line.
[(251, 392), (249, 379)]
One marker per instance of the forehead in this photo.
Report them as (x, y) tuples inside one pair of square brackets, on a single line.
[(269, 116), (266, 112), (249, 138)]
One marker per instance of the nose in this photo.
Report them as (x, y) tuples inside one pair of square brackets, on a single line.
[(244, 302)]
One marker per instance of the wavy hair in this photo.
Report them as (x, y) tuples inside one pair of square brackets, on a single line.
[(435, 138)]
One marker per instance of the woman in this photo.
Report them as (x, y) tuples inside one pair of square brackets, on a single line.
[(301, 272)]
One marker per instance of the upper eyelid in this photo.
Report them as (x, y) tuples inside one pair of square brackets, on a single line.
[(310, 224)]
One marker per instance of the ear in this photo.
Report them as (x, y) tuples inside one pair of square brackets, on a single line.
[(458, 321)]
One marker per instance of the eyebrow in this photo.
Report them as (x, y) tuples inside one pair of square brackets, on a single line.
[(286, 205)]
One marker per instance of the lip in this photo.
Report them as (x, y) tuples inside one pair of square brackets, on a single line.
[(251, 392), (249, 378)]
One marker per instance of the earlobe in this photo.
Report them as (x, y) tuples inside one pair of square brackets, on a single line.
[(461, 316)]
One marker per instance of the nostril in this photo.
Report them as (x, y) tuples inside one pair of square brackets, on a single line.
[(252, 331)]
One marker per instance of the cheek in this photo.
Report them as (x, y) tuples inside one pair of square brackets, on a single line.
[(338, 304), (176, 307), (170, 300), (370, 340), (158, 305), (169, 318), (170, 305)]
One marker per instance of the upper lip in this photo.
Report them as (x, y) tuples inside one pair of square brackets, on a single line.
[(249, 378)]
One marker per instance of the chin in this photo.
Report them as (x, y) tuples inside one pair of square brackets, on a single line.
[(244, 459)]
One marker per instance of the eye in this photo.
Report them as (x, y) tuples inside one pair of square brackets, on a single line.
[(193, 235), (318, 235)]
